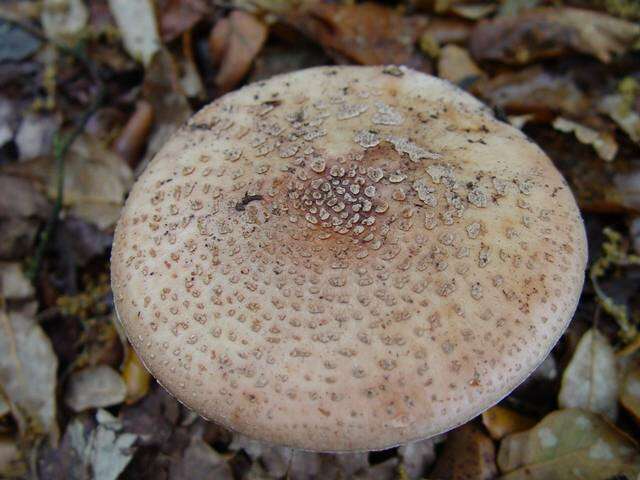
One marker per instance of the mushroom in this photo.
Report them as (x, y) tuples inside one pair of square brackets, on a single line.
[(346, 258)]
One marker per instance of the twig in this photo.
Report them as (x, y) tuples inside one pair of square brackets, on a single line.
[(61, 144)]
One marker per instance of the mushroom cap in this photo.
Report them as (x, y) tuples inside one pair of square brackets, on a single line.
[(346, 258)]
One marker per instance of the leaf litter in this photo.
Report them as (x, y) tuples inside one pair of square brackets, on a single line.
[(567, 75)]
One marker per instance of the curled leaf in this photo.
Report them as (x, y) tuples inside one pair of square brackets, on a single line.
[(234, 43), (552, 32), (569, 443)]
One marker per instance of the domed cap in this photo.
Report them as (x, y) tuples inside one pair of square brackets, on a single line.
[(346, 258)]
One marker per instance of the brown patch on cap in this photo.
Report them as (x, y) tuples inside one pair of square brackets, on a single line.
[(397, 265)]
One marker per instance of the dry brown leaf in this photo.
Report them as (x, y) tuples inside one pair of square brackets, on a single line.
[(14, 284), (22, 209), (630, 391), (468, 453), (200, 461), (136, 20), (456, 65), (552, 32), (234, 43), (63, 20), (500, 422), (11, 461), (161, 88), (136, 378), (96, 182), (133, 137), (28, 367), (448, 30), (364, 33), (178, 16), (570, 443), (94, 387), (533, 90), (590, 381), (604, 143)]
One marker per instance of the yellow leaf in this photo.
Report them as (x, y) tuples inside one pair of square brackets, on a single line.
[(501, 421), (136, 377)]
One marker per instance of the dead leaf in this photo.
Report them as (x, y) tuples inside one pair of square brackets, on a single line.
[(417, 457), (552, 32), (604, 143), (365, 33), (179, 16), (387, 470), (277, 59), (12, 464), (94, 387), (630, 391), (620, 112), (28, 368), (134, 135), (234, 43), (161, 88), (20, 199), (628, 188), (16, 43), (103, 451), (190, 80), (136, 378), (468, 453), (473, 11), (96, 182), (500, 422), (448, 30), (569, 443), (34, 136), (590, 381), (136, 20), (63, 20), (533, 90), (456, 65), (199, 460), (22, 209), (14, 284)]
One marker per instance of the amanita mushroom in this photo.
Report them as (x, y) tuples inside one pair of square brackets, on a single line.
[(346, 258)]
